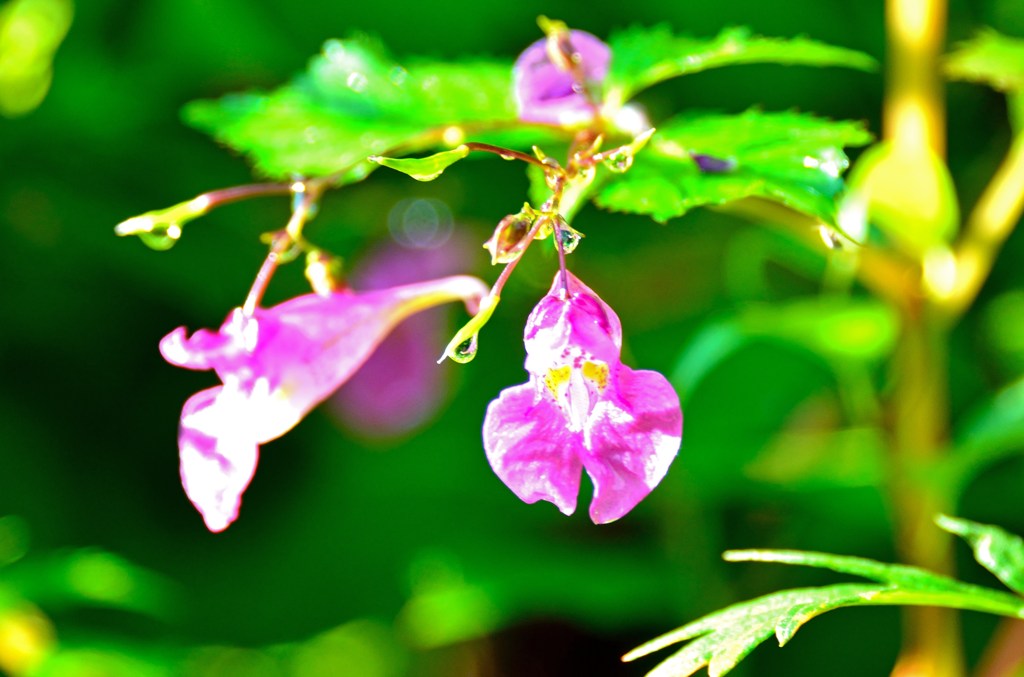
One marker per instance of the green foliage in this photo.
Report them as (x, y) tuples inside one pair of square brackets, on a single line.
[(646, 56), (837, 330), (908, 196), (792, 158), (722, 639), (90, 577), (997, 550), (354, 101), (426, 168), (30, 33), (992, 432), (990, 58)]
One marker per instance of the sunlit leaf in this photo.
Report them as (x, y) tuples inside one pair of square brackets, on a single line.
[(990, 58), (353, 101), (642, 57), (722, 639), (906, 193), (426, 168), (707, 159), (997, 550), (892, 574)]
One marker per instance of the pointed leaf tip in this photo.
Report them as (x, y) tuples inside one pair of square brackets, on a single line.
[(426, 168), (997, 550)]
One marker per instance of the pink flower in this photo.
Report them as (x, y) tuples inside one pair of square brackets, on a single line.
[(550, 93), (400, 387), (582, 409), (276, 365)]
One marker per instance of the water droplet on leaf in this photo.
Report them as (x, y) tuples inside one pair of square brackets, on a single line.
[(398, 76), (619, 162), (569, 237), (162, 236), (356, 81)]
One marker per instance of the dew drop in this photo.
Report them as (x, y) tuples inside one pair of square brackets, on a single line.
[(619, 162), (465, 351), (829, 237), (162, 236), (356, 81), (398, 76), (570, 239)]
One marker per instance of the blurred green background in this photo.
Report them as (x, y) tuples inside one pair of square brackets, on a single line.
[(408, 556)]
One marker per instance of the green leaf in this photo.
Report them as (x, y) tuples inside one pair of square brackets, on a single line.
[(816, 458), (14, 538), (792, 158), (642, 57), (837, 330), (91, 577), (990, 58), (30, 33), (892, 574), (423, 169), (906, 193), (995, 430), (997, 550), (353, 101), (722, 639)]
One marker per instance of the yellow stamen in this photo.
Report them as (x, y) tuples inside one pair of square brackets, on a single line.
[(556, 378)]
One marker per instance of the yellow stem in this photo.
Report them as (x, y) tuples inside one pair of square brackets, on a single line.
[(914, 122), (993, 219)]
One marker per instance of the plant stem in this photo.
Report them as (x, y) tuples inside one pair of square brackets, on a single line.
[(913, 115), (990, 223), (306, 197), (505, 153), (918, 410), (914, 121)]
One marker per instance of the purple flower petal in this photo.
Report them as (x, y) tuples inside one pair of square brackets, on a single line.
[(546, 93), (218, 459), (276, 365), (530, 450), (400, 386), (632, 445), (582, 406)]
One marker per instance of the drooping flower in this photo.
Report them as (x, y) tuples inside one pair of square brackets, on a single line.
[(276, 365), (400, 387), (546, 87), (582, 409)]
